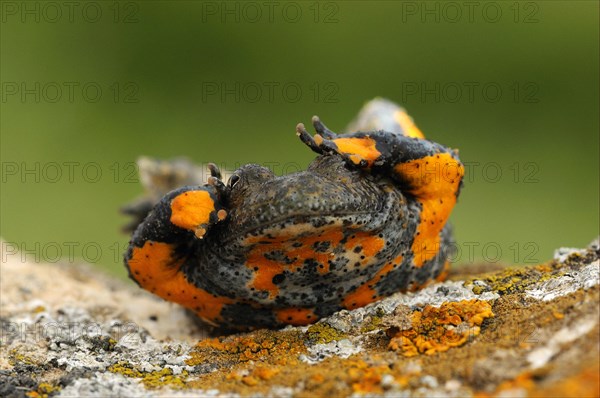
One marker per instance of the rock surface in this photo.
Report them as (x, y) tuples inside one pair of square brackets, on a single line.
[(70, 331)]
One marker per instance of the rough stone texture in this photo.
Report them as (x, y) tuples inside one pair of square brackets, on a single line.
[(70, 331)]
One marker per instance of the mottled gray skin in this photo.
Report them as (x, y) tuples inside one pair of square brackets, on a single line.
[(327, 194)]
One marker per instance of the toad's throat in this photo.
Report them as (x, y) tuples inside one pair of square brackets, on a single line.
[(301, 224)]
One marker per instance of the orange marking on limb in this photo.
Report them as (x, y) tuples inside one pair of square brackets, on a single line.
[(191, 209), (155, 269), (362, 147), (153, 263), (434, 181), (296, 316), (366, 294), (408, 125)]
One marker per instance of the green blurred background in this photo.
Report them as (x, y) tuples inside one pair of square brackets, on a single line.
[(86, 89)]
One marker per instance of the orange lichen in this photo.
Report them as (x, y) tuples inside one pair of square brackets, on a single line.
[(586, 383), (438, 329), (522, 381), (243, 348), (44, 390), (323, 333), (337, 376), (558, 315), (366, 379), (513, 280), (258, 374), (154, 379)]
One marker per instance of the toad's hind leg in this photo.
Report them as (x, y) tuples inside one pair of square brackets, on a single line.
[(426, 171), (322, 129)]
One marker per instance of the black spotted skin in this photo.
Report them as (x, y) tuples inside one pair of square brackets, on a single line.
[(365, 220)]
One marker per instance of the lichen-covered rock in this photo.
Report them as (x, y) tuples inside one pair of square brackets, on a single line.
[(530, 331)]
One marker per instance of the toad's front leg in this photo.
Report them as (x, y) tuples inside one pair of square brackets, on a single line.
[(170, 236)]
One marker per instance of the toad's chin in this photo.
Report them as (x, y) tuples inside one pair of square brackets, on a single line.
[(272, 207), (272, 222), (293, 226)]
